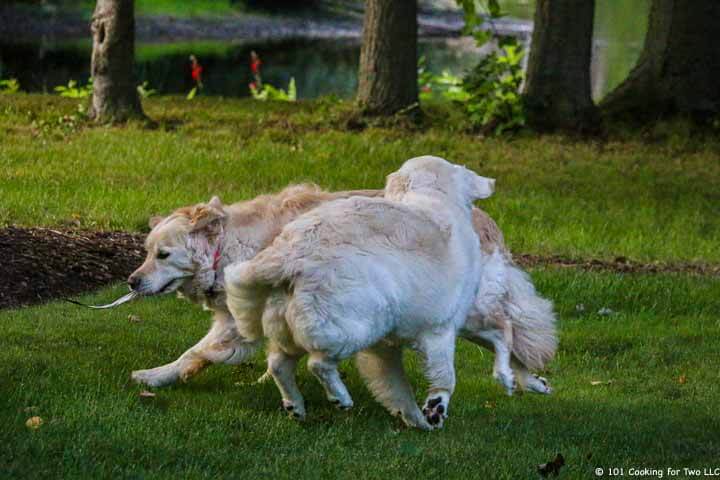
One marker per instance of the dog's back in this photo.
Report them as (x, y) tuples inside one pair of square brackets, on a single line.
[(361, 268)]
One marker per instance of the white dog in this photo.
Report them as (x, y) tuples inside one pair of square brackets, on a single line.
[(188, 250), (359, 272)]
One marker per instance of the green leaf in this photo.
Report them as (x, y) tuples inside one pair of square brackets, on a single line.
[(482, 36), (494, 8)]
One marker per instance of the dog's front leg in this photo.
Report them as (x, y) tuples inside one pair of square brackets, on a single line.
[(438, 352), (222, 344), (382, 368), (281, 366)]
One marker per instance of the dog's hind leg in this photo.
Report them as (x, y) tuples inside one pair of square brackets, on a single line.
[(221, 344), (502, 371), (529, 381), (382, 368), (495, 334), (438, 352), (325, 369), (281, 366)]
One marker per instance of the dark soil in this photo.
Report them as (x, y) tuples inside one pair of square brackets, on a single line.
[(42, 264), (618, 265)]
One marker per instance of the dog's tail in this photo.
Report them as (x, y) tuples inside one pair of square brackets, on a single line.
[(248, 286), (533, 321)]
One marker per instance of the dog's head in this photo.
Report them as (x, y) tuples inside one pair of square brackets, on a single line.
[(179, 247), (435, 175)]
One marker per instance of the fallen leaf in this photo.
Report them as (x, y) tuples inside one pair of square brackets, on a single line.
[(489, 404), (34, 422), (147, 394), (683, 379), (134, 318), (553, 466), (601, 382)]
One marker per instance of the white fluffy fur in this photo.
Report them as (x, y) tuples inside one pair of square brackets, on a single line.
[(359, 271), (519, 322)]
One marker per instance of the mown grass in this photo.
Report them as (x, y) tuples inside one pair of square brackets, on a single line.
[(647, 198), (657, 353), (193, 8)]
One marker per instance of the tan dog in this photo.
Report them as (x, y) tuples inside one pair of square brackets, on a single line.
[(188, 250)]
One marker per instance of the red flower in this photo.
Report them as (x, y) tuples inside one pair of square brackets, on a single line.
[(252, 86), (255, 66), (255, 63), (196, 72)]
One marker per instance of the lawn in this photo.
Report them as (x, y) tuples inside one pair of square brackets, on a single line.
[(635, 388), (656, 357), (649, 198)]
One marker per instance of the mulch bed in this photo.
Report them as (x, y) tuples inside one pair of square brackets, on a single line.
[(41, 264), (618, 264)]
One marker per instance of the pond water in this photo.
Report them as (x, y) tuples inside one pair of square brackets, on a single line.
[(319, 67)]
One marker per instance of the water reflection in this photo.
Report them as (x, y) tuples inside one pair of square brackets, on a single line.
[(320, 67)]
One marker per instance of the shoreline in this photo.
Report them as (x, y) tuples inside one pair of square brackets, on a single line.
[(19, 27)]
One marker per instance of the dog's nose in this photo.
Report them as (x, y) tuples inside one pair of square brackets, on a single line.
[(133, 282)]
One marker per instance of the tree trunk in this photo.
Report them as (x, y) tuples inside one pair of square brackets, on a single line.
[(115, 97), (557, 90), (679, 68), (388, 58)]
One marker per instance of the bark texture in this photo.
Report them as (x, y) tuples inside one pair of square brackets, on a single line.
[(115, 97), (557, 89), (679, 68), (387, 79)]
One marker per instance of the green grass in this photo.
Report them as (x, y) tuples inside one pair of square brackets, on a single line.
[(70, 366), (653, 197), (648, 199), (175, 8)]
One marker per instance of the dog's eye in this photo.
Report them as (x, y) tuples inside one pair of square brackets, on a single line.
[(162, 254)]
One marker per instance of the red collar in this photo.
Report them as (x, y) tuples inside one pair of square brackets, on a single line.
[(216, 257)]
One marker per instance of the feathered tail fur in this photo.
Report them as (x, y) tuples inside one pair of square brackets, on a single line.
[(533, 321)]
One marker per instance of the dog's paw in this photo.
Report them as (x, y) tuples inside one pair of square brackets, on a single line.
[(295, 410), (345, 404), (537, 384), (436, 410), (507, 380), (414, 419), (152, 377)]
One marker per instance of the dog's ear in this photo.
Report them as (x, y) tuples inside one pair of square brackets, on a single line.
[(480, 187), (206, 215), (396, 185), (155, 221), (215, 202)]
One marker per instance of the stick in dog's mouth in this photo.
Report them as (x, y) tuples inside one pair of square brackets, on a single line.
[(124, 299), (132, 295)]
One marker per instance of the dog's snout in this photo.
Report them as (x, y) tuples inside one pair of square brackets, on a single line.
[(134, 282)]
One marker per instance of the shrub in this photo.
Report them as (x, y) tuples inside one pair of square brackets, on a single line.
[(10, 86), (492, 87), (73, 90)]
